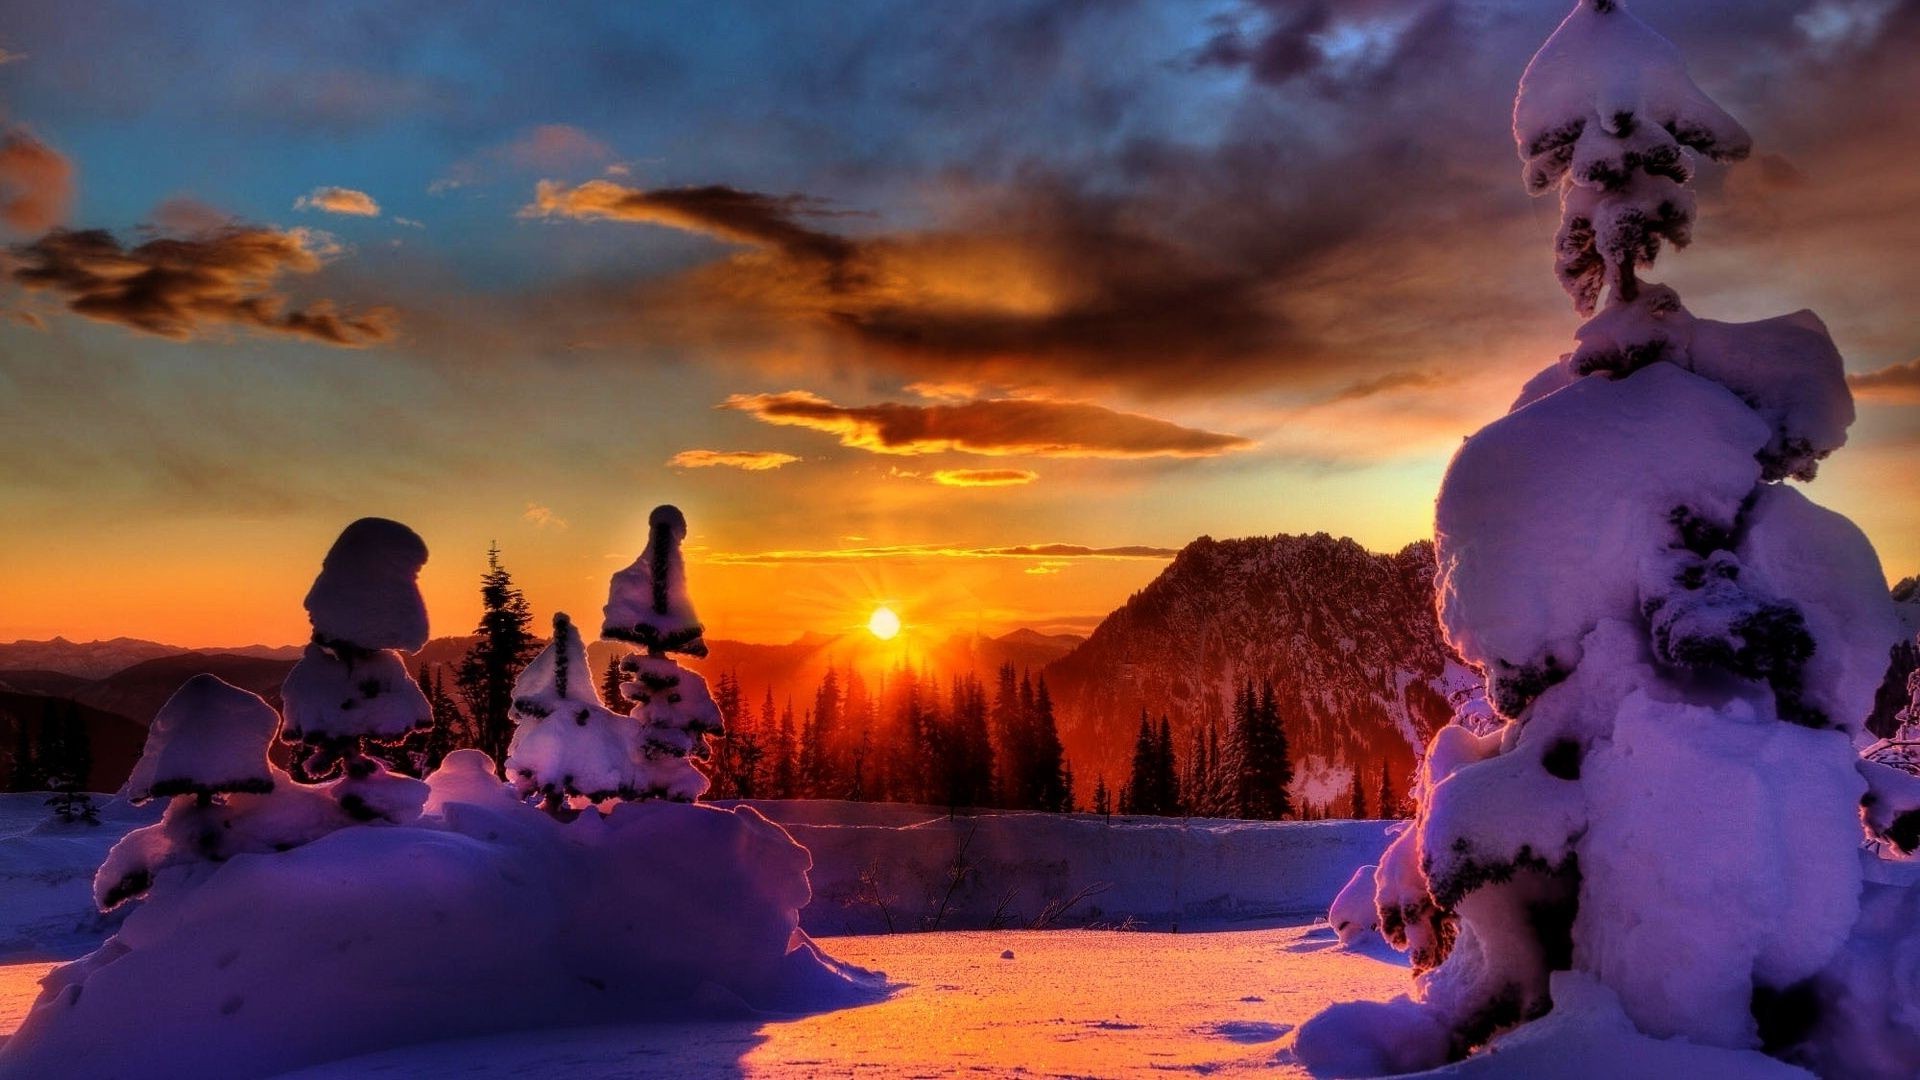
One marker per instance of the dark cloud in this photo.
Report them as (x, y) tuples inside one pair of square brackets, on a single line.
[(1384, 384), (990, 426), (725, 213), (36, 182), (182, 287)]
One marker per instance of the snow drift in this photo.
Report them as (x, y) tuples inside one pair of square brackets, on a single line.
[(484, 915)]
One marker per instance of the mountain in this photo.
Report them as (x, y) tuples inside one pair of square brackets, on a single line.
[(137, 692), (99, 659), (1348, 637)]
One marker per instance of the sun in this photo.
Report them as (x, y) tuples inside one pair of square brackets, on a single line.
[(883, 624)]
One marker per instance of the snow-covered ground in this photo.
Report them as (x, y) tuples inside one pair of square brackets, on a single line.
[(1073, 1003)]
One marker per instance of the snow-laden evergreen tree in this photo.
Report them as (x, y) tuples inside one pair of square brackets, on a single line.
[(1680, 646), (648, 605), (351, 694), (566, 744), (206, 752)]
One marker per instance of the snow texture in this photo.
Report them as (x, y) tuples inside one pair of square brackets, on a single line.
[(676, 712), (210, 736), (367, 593), (1785, 368), (647, 603), (486, 915), (352, 695), (565, 742), (1549, 514)]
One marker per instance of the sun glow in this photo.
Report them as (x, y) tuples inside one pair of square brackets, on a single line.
[(883, 624)]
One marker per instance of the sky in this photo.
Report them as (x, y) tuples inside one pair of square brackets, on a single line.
[(980, 310)]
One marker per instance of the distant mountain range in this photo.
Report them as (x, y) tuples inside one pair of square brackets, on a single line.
[(99, 659), (1348, 637)]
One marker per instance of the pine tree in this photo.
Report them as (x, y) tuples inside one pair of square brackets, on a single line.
[(784, 770), (1166, 777), (1388, 803), (1138, 797), (505, 645), (449, 731), (1357, 798), (1102, 800), (610, 681), (1051, 788)]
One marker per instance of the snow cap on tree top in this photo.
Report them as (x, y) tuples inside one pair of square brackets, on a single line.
[(1605, 67), (367, 594), (210, 736), (647, 603), (558, 675)]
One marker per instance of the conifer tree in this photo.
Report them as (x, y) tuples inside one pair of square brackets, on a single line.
[(1049, 783), (503, 647), (648, 605), (784, 769), (610, 681), (1102, 799), (350, 699)]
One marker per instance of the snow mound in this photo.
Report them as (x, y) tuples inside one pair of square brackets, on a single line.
[(1588, 1037), (367, 592), (210, 736), (487, 915)]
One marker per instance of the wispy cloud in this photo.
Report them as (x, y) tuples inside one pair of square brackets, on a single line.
[(338, 200), (1040, 554), (989, 426), (543, 517), (1894, 383), (747, 460), (548, 148), (972, 478), (7, 56)]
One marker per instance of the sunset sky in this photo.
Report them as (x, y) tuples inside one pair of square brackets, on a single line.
[(975, 309)]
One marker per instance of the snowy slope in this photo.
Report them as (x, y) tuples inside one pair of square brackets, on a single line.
[(1348, 637)]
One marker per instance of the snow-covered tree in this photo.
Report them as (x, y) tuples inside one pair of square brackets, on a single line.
[(351, 693), (206, 751), (565, 742), (648, 605), (1681, 650)]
